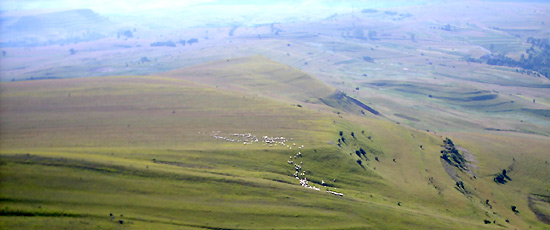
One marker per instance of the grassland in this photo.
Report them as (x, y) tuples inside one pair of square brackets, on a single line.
[(141, 147), (139, 142)]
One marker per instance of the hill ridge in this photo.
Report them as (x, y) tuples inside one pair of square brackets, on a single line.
[(257, 75)]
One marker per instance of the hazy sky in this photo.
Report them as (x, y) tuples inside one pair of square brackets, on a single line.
[(200, 12), (103, 6), (138, 6)]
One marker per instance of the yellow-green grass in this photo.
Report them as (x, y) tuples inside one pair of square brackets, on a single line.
[(232, 194), (75, 150), (524, 156), (136, 111), (256, 75)]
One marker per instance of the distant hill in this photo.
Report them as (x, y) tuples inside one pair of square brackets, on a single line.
[(55, 28), (64, 20)]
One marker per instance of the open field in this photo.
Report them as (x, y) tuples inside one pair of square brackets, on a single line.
[(76, 150), (240, 129)]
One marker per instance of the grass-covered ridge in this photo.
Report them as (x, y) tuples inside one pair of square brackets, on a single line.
[(257, 75)]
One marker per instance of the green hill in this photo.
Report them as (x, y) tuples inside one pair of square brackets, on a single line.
[(256, 75), (201, 148), (259, 75)]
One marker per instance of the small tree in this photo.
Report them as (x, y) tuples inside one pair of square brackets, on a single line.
[(514, 209), (128, 34), (460, 184), (368, 59), (192, 40)]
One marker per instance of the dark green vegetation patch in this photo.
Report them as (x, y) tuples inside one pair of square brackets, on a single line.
[(451, 155)]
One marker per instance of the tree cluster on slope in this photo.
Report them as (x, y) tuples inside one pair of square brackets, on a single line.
[(537, 61), (451, 155), (125, 33), (173, 44)]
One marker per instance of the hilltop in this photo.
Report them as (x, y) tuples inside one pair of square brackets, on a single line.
[(256, 75), (259, 75)]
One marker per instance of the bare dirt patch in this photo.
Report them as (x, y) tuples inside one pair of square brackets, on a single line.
[(471, 160)]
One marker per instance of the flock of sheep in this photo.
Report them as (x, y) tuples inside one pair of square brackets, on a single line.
[(245, 138), (248, 138)]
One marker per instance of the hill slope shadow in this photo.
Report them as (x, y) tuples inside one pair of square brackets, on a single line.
[(259, 75)]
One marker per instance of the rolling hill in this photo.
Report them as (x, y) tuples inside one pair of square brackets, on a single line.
[(220, 145), (256, 75), (79, 20)]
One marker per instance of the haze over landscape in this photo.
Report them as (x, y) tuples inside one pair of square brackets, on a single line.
[(274, 114)]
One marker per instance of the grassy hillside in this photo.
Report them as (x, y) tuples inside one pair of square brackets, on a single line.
[(156, 152), (122, 111), (256, 75)]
